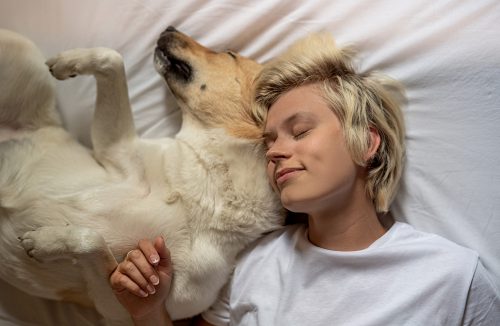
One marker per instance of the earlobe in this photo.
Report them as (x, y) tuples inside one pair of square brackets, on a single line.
[(373, 145)]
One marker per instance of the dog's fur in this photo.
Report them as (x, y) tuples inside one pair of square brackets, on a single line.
[(68, 214)]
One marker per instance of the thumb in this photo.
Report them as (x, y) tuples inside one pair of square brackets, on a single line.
[(165, 263)]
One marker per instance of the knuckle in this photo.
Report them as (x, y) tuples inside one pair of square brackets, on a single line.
[(118, 281), (113, 280), (134, 254), (121, 279), (129, 267), (144, 244)]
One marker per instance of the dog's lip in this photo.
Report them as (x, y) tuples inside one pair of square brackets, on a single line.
[(159, 54), (174, 65)]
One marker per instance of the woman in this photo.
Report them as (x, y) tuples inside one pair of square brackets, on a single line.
[(335, 147)]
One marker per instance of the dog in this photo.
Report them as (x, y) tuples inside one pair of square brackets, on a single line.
[(68, 214)]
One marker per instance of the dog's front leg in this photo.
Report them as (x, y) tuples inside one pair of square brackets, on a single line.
[(113, 128), (88, 249)]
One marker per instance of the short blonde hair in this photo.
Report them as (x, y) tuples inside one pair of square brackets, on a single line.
[(360, 101)]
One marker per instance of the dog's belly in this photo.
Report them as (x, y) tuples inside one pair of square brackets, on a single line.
[(47, 179), (44, 182), (121, 226), (8, 133), (38, 280)]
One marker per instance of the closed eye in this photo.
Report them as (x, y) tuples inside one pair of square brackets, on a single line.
[(231, 54), (268, 139), (301, 134), (268, 143)]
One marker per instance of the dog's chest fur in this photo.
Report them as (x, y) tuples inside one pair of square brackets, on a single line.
[(206, 173)]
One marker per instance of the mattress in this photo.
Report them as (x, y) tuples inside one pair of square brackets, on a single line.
[(445, 53)]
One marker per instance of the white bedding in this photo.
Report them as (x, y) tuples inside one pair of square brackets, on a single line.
[(446, 53)]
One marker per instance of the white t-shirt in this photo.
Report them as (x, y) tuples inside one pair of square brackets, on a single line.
[(406, 277)]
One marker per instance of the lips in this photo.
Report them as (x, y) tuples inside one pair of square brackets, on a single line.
[(284, 174)]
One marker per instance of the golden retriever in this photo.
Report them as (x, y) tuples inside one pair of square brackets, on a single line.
[(68, 214)]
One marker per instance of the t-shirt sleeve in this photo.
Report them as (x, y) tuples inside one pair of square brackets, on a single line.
[(483, 301), (218, 314)]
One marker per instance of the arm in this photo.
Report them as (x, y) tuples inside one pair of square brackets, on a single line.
[(483, 300), (157, 318), (199, 321), (142, 283)]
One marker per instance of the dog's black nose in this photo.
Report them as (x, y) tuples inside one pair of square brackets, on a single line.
[(171, 29)]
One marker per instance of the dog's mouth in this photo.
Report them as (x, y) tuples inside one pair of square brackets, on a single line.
[(169, 65)]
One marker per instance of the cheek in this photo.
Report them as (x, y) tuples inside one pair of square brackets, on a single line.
[(326, 157), (312, 149), (270, 175)]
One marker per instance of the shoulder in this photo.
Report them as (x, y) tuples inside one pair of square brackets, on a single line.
[(429, 243), (275, 248), (483, 300), (421, 250), (281, 239)]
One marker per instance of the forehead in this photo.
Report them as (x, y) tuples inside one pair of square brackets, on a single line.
[(301, 103)]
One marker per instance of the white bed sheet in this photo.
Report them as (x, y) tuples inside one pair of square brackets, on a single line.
[(445, 52)]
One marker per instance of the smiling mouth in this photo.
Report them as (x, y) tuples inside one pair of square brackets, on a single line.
[(169, 65), (285, 174)]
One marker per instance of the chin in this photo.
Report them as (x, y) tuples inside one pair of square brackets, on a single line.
[(294, 205)]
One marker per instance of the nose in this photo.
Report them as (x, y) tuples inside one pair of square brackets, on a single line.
[(171, 29), (277, 152)]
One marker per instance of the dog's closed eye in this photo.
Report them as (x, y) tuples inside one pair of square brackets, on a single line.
[(232, 54)]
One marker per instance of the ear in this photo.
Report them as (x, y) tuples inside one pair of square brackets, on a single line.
[(374, 144)]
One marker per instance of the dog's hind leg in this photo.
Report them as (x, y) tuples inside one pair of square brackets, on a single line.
[(88, 249), (27, 92), (113, 128)]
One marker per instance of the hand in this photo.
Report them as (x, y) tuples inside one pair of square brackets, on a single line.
[(141, 282)]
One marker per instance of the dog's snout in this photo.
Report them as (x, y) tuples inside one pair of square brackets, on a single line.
[(171, 29), (168, 33)]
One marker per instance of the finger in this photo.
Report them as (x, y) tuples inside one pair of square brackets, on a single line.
[(149, 251), (164, 254), (131, 268), (120, 282), (162, 250), (146, 249)]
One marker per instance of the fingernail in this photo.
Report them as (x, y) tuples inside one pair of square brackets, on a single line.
[(154, 280), (143, 294), (151, 289), (154, 259)]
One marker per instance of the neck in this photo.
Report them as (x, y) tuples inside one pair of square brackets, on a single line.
[(353, 227)]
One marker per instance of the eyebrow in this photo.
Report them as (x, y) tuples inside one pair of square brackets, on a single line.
[(301, 115), (267, 135)]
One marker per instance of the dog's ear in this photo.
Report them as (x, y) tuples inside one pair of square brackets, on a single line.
[(251, 124), (257, 111), (258, 114)]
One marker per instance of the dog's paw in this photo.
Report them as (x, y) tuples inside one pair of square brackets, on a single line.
[(71, 63), (65, 65), (43, 244), (48, 243)]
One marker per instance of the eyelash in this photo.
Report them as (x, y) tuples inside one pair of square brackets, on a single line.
[(231, 54), (301, 134), (296, 136), (267, 145)]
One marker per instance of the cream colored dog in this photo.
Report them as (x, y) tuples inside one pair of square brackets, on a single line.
[(68, 214)]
